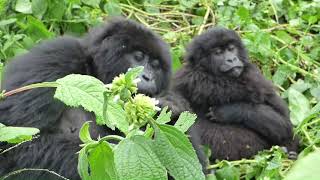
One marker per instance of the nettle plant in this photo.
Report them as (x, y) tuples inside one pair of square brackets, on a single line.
[(149, 149)]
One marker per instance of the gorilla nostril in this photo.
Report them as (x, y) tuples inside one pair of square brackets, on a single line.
[(229, 60), (145, 77)]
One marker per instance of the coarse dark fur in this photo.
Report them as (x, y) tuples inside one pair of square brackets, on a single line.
[(245, 113), (99, 54)]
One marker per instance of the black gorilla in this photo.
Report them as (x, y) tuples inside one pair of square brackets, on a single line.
[(104, 53), (239, 111)]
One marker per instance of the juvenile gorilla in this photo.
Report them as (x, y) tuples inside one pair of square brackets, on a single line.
[(104, 53), (238, 109)]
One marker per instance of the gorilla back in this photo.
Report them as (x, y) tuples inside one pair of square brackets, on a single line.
[(105, 52)]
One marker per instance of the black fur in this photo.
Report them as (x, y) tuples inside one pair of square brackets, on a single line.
[(245, 113), (99, 54)]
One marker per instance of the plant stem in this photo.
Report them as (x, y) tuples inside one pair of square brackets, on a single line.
[(31, 86)]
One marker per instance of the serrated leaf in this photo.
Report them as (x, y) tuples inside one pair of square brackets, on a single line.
[(164, 116), (84, 133), (115, 115), (96, 161), (305, 168), (176, 153), (81, 90), (185, 121), (135, 160), (16, 134), (299, 106)]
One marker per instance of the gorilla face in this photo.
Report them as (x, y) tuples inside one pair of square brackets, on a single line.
[(124, 44), (225, 60), (150, 81)]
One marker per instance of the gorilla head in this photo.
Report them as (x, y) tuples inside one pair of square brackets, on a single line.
[(219, 51), (123, 43)]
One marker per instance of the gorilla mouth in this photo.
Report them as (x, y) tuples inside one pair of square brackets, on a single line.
[(147, 89), (236, 71)]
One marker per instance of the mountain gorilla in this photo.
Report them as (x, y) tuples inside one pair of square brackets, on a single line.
[(104, 53), (238, 109)]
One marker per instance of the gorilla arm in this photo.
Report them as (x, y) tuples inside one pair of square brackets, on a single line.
[(47, 62), (261, 118)]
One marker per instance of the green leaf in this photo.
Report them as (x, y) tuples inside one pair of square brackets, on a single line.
[(243, 13), (164, 116), (176, 153), (16, 134), (81, 90), (39, 7), (228, 173), (305, 168), (83, 165), (56, 10), (185, 121), (115, 115), (7, 22), (135, 160), (84, 133), (281, 75), (37, 30), (284, 36), (96, 161), (113, 8), (23, 6), (94, 3), (299, 106)]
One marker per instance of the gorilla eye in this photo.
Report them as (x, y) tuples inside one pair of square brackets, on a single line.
[(155, 63), (217, 51), (138, 56), (231, 47)]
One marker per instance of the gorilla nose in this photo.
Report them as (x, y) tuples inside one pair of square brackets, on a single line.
[(145, 77), (231, 60)]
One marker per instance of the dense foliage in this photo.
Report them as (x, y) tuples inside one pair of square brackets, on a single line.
[(282, 36)]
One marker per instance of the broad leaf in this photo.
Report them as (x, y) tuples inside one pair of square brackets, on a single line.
[(176, 153), (185, 121), (96, 161), (135, 160), (305, 168), (80, 90), (39, 7), (23, 6), (299, 106), (16, 134)]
